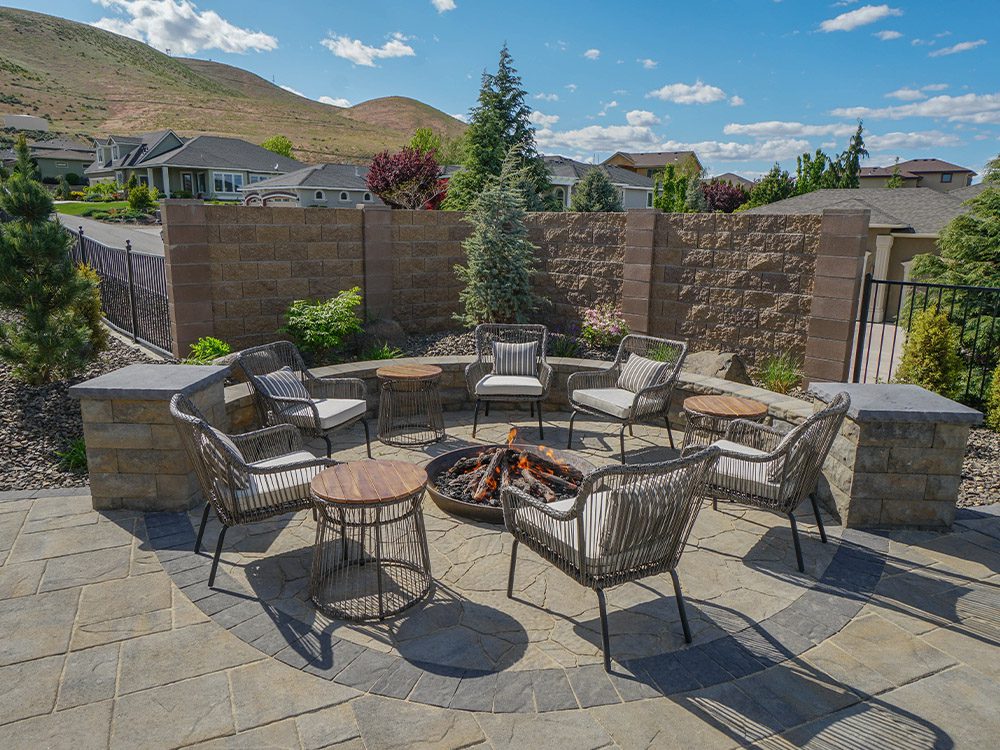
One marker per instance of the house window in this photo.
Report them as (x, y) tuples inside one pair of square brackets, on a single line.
[(946, 177), (144, 180), (343, 196), (561, 196), (650, 172), (227, 182), (320, 195), (649, 200), (119, 178), (368, 197), (257, 178), (61, 164), (114, 152)]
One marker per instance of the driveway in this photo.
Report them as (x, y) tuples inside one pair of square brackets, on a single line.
[(145, 239)]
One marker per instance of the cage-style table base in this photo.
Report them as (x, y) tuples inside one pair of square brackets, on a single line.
[(410, 410), (708, 417)]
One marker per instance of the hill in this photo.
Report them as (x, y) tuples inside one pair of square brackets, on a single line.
[(92, 82)]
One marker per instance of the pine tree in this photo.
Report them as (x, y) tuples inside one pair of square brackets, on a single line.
[(849, 163), (694, 196), (500, 261), (23, 163), (596, 193), (896, 180), (499, 122)]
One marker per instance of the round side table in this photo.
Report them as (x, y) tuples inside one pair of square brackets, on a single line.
[(409, 411), (706, 417), (370, 560)]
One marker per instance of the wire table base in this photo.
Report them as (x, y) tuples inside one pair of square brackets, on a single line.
[(410, 411), (707, 417)]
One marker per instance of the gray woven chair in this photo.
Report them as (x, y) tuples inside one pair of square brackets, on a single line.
[(626, 523), (765, 468), (319, 407), (601, 393), (245, 478), (486, 385)]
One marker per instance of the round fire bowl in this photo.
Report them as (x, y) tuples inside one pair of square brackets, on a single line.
[(478, 511)]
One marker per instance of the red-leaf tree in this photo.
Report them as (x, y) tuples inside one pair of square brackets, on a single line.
[(406, 179), (724, 196)]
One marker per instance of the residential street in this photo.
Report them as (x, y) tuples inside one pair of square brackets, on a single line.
[(145, 239)]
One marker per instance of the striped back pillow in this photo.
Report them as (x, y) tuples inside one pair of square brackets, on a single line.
[(282, 383), (515, 359), (639, 373)]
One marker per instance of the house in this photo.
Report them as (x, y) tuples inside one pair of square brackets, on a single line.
[(207, 166), (636, 190), (648, 163), (56, 158), (25, 122), (733, 179), (925, 173), (325, 185)]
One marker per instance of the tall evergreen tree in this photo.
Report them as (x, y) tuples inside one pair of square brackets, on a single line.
[(694, 196), (596, 193), (499, 122), (849, 163), (23, 163), (896, 180)]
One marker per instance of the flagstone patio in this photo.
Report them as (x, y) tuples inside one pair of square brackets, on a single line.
[(111, 637)]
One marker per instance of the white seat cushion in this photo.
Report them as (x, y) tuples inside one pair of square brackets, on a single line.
[(509, 385), (281, 486), (285, 459), (614, 401), (731, 473), (332, 412), (565, 540)]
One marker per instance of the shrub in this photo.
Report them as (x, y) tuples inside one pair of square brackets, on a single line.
[(140, 199), (64, 190), (279, 144), (603, 326), (181, 194), (406, 179), (50, 180), (383, 350), (564, 345), (724, 196), (779, 373), (320, 327), (74, 458), (76, 195), (206, 349), (930, 354), (73, 178), (101, 192), (88, 308), (993, 400), (596, 193)]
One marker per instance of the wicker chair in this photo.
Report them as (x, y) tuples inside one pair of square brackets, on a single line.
[(321, 406), (600, 394), (765, 468), (486, 387), (245, 478), (626, 523)]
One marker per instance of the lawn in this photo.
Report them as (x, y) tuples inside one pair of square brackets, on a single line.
[(85, 208)]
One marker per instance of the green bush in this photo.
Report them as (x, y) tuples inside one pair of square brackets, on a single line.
[(321, 327), (101, 192), (74, 179), (206, 349), (382, 350), (930, 355), (564, 345), (779, 373), (74, 458), (140, 199), (993, 400), (88, 308), (64, 191), (603, 325)]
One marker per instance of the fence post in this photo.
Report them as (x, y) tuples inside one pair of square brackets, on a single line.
[(83, 248), (859, 350), (131, 291)]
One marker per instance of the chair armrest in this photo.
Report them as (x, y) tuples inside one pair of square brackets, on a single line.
[(284, 403), (754, 435), (654, 398), (313, 463), (336, 388), (606, 378), (260, 445), (475, 372), (545, 376), (512, 497)]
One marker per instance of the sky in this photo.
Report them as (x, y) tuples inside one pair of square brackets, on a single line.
[(744, 83)]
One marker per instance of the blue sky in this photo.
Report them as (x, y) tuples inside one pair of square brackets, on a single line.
[(744, 83)]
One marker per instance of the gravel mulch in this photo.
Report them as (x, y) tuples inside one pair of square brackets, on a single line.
[(981, 469), (41, 421), (463, 343)]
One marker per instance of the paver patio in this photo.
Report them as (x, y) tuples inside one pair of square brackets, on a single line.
[(111, 637)]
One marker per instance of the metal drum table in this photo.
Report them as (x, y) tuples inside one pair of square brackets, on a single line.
[(707, 417), (409, 411), (370, 560)]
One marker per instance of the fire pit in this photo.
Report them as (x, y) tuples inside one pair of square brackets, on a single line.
[(467, 482)]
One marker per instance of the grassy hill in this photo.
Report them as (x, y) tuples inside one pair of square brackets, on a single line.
[(88, 81)]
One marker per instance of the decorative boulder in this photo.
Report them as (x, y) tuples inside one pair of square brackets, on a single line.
[(715, 364), (385, 331)]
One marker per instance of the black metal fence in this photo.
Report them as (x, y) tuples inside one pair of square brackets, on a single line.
[(887, 312), (133, 289)]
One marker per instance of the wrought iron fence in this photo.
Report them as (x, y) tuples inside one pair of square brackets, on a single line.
[(887, 312), (133, 289)]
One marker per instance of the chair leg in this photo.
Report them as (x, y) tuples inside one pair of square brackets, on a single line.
[(680, 606), (368, 437), (795, 538), (569, 440), (670, 435), (541, 430), (819, 519), (201, 529), (630, 432), (487, 408), (715, 504), (532, 408), (475, 418), (329, 445), (603, 606), (510, 575), (621, 440), (215, 560)]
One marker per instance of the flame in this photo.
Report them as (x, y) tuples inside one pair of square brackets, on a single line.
[(511, 436), (551, 455)]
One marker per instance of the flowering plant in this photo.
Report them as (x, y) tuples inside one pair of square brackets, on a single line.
[(603, 325)]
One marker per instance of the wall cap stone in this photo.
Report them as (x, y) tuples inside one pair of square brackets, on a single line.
[(897, 402), (150, 382)]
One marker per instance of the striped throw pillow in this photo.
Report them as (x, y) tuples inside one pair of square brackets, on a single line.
[(640, 372), (515, 359), (282, 383)]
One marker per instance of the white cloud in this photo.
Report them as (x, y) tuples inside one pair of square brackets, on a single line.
[(641, 117), (543, 120), (788, 129), (737, 101), (934, 87), (607, 105), (443, 5), (685, 93), (898, 140), (360, 53), (862, 16), (334, 101), (980, 109), (647, 63), (597, 138), (179, 26), (906, 94), (460, 116), (771, 150), (955, 48), (571, 87), (543, 97), (888, 35), (293, 91), (592, 54)]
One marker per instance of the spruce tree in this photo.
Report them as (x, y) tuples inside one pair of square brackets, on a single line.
[(500, 261), (596, 193), (499, 122), (23, 163), (694, 197), (896, 180)]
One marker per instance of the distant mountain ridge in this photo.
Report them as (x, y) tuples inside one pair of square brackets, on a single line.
[(88, 81)]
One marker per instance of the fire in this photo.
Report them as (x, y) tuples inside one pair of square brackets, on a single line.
[(511, 436), (552, 456)]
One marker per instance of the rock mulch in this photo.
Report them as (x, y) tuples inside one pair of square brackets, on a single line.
[(981, 469), (40, 422), (463, 343)]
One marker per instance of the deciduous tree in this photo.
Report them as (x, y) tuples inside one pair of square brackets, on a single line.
[(405, 179), (279, 144)]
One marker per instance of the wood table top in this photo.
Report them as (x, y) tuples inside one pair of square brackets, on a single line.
[(408, 372), (730, 407), (368, 482)]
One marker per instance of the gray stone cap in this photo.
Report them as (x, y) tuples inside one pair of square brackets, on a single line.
[(150, 382), (897, 402)]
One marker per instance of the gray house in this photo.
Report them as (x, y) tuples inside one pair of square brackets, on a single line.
[(636, 189), (56, 157), (323, 185), (207, 166)]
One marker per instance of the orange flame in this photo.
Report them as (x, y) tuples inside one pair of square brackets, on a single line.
[(511, 436)]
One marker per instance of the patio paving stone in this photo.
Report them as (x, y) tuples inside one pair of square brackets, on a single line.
[(83, 728), (37, 626), (123, 609), (86, 567), (20, 579), (89, 676), (389, 725), (29, 688)]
